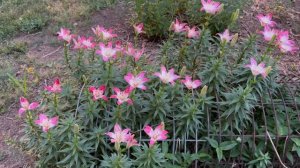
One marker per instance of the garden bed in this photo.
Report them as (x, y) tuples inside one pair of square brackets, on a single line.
[(42, 50)]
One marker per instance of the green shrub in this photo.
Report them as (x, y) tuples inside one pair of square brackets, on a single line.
[(31, 22), (157, 15)]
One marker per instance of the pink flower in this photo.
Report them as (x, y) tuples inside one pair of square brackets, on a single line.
[(288, 47), (177, 26), (139, 28), (87, 43), (78, 43), (167, 77), (136, 81), (56, 88), (46, 123), (225, 36), (118, 46), (118, 135), (98, 93), (266, 20), (25, 106), (130, 50), (135, 53), (65, 34), (192, 32), (122, 96), (157, 134), (284, 43), (283, 36), (138, 54), (268, 33), (190, 84), (107, 52), (211, 7), (131, 141), (257, 69), (103, 34)]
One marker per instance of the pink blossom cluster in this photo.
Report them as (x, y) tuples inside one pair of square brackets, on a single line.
[(106, 48), (133, 52), (179, 27), (125, 136), (168, 76), (138, 82), (122, 136), (43, 120), (281, 37)]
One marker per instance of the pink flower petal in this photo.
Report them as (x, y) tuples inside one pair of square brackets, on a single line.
[(21, 111), (33, 105)]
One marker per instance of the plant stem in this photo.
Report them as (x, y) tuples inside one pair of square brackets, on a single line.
[(80, 54), (55, 101), (93, 55), (66, 55)]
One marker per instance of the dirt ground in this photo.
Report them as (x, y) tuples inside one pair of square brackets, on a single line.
[(287, 17), (42, 50)]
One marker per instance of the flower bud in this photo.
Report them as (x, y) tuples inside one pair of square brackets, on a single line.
[(163, 125), (235, 16), (30, 70), (203, 91), (76, 128), (171, 26), (234, 39), (84, 78), (268, 70), (182, 71)]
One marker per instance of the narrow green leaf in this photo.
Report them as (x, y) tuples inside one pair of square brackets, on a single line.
[(219, 153), (212, 142), (228, 145)]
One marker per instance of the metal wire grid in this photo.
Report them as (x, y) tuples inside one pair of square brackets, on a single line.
[(293, 89)]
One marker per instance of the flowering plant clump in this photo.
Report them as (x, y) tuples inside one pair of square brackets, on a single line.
[(203, 86), (198, 12)]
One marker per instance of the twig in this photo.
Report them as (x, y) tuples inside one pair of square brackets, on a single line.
[(52, 52), (276, 151), (28, 35), (78, 101)]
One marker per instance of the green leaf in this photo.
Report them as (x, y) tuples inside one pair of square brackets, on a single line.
[(227, 145), (290, 157), (296, 141), (165, 147), (203, 156), (283, 130), (212, 142), (219, 153)]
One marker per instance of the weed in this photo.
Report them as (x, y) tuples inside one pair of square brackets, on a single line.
[(2, 156), (15, 49)]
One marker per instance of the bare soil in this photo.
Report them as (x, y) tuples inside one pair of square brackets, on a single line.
[(287, 16), (43, 51)]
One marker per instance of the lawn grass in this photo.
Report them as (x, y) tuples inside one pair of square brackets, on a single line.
[(30, 16)]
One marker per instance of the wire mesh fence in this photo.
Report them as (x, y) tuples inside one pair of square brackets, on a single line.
[(282, 106)]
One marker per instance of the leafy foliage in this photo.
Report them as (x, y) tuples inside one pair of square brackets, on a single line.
[(207, 121), (157, 15)]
